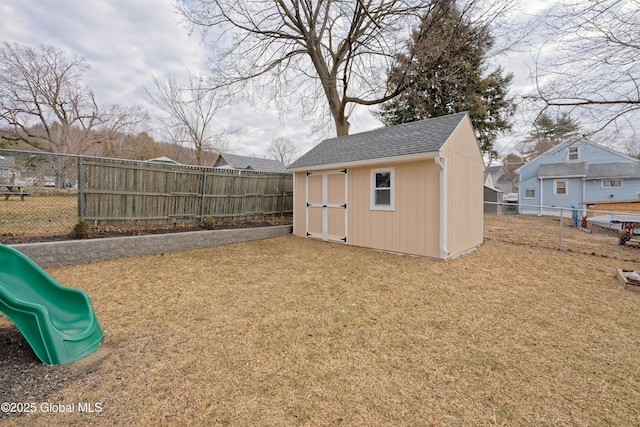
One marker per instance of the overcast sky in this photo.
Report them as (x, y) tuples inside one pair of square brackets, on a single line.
[(127, 42)]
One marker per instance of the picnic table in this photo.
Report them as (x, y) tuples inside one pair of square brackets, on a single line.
[(12, 190)]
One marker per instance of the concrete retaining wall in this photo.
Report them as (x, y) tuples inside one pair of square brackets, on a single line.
[(50, 254)]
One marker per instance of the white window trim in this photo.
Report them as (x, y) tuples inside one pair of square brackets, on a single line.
[(612, 186), (530, 189), (577, 148), (555, 187), (372, 196)]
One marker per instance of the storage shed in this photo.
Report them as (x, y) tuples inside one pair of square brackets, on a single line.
[(415, 188)]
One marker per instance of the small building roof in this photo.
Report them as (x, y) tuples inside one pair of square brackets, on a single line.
[(590, 170), (250, 163), (423, 136), (614, 170), (163, 159), (508, 177), (567, 169), (494, 169)]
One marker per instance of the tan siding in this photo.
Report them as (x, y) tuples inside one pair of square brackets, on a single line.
[(465, 169), (413, 226)]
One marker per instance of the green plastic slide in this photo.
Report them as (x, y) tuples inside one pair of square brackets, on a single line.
[(58, 322)]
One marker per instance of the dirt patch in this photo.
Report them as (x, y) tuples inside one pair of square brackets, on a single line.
[(293, 331)]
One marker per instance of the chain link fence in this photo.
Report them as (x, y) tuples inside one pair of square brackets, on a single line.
[(578, 229), (43, 195), (38, 194)]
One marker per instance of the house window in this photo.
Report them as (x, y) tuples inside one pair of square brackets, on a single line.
[(382, 189), (612, 183), (573, 153), (560, 187), (529, 193)]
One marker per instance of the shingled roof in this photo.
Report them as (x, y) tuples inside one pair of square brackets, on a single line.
[(249, 163), (629, 169), (424, 136)]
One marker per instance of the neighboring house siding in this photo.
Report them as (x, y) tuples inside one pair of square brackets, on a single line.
[(573, 195), (576, 195), (529, 205), (588, 153), (578, 189), (507, 183), (595, 192)]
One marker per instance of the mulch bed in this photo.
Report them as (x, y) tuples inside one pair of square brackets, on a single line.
[(112, 231), (24, 379)]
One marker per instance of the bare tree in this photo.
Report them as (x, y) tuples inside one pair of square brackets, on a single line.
[(631, 146), (591, 63), (339, 50), (283, 149), (189, 109), (45, 104)]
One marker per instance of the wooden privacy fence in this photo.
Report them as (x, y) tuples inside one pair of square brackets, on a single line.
[(118, 191)]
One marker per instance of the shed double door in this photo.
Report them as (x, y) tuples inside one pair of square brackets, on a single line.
[(326, 215)]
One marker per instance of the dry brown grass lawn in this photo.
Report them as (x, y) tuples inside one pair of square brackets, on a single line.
[(291, 331), (38, 214)]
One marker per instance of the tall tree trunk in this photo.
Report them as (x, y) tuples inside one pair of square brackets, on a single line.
[(342, 125)]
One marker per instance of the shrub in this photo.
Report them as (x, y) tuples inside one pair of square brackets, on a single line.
[(82, 230), (209, 223)]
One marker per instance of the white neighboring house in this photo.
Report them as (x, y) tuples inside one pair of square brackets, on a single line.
[(501, 178)]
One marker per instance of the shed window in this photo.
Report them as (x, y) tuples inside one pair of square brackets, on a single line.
[(561, 187), (382, 189), (612, 183), (529, 193)]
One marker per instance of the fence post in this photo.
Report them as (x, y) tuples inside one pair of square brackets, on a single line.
[(80, 191), (561, 222), (284, 182), (204, 191)]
